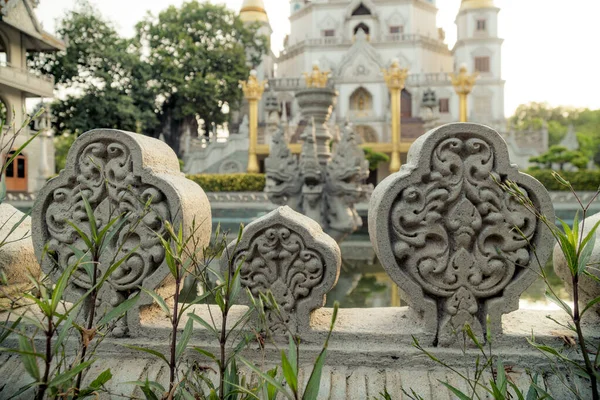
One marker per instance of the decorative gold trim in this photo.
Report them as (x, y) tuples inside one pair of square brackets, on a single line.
[(253, 8)]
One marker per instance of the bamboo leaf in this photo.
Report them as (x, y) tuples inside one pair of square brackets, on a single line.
[(206, 353), (149, 351), (587, 306), (314, 382), (28, 357), (501, 378), (456, 392), (267, 378), (119, 310), (202, 322), (82, 235), (550, 296), (159, 300), (586, 253), (104, 377), (184, 338), (69, 374), (288, 372), (292, 355), (91, 218)]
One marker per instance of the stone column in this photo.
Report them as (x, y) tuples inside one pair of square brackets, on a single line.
[(43, 169), (463, 83), (395, 78), (253, 91)]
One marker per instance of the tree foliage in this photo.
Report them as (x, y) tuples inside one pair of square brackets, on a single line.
[(586, 122), (183, 66), (375, 158), (102, 74), (198, 53), (558, 157)]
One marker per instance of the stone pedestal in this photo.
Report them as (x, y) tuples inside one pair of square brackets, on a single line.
[(316, 105)]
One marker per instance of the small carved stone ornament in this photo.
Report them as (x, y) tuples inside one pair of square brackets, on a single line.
[(445, 231), (290, 255)]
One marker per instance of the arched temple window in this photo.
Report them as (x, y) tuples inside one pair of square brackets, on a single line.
[(361, 101), (16, 173)]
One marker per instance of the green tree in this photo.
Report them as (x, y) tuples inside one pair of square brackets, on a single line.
[(532, 116), (375, 158), (560, 155), (62, 144), (198, 53), (102, 73)]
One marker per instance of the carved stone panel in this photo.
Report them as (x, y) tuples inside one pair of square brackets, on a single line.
[(290, 255), (118, 173), (445, 231)]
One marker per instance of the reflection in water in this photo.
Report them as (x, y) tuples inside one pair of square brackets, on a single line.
[(363, 285)]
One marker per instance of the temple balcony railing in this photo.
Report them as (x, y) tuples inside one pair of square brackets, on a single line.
[(324, 41), (422, 79), (33, 84)]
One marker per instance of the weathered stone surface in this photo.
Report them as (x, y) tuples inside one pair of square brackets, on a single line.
[(589, 289), (119, 173), (17, 258), (444, 230), (289, 254)]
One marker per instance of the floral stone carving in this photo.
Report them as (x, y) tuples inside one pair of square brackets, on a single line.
[(119, 173), (289, 254), (444, 230)]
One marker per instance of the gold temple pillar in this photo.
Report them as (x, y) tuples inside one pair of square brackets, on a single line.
[(463, 83), (253, 91), (395, 78)]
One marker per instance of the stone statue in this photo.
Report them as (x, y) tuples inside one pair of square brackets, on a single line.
[(244, 126), (283, 184), (326, 193), (346, 173)]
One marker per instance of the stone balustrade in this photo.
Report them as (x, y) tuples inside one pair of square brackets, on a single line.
[(441, 227)]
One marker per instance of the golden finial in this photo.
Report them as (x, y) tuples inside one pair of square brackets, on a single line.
[(463, 82), (317, 78), (253, 89), (395, 77)]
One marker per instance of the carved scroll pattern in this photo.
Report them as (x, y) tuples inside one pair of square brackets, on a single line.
[(278, 259), (454, 232), (105, 176)]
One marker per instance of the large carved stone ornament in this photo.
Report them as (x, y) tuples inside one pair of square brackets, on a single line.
[(119, 173), (290, 255), (445, 231)]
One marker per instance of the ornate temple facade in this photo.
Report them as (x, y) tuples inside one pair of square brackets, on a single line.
[(20, 34), (357, 39)]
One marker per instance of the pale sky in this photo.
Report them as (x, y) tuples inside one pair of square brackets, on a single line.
[(550, 52)]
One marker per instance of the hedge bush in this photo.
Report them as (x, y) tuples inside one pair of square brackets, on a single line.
[(230, 182), (584, 180)]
